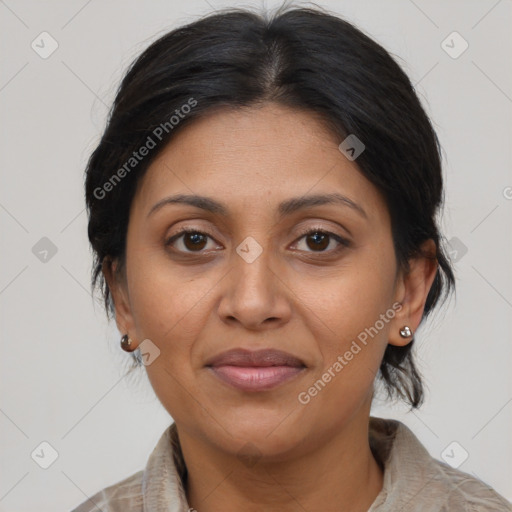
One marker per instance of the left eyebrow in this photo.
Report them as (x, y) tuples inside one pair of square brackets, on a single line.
[(285, 208), (297, 203)]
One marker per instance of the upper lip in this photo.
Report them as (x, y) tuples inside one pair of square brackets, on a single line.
[(255, 358)]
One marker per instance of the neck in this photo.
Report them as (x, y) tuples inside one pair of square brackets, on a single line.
[(337, 472)]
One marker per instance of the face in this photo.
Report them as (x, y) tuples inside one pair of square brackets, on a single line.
[(247, 275)]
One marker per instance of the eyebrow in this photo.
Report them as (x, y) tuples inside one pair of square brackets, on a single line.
[(285, 208)]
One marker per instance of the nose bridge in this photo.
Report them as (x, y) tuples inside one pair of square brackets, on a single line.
[(253, 293), (252, 267)]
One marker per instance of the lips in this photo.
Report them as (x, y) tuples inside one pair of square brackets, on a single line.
[(253, 371), (259, 358)]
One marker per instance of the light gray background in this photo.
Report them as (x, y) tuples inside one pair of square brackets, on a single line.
[(61, 365)]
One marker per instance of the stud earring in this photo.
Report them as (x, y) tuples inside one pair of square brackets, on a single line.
[(126, 343), (405, 332)]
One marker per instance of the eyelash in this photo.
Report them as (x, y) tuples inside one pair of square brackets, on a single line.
[(343, 243)]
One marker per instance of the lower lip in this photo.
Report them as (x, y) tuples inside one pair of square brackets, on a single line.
[(255, 378)]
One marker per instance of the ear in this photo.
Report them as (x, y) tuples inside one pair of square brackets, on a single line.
[(411, 292), (117, 285)]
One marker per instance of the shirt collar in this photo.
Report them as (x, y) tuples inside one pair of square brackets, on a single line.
[(164, 476)]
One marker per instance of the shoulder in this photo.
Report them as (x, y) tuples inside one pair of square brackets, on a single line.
[(123, 496), (465, 493), (416, 481)]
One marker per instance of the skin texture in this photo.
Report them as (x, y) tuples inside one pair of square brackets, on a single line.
[(194, 303)]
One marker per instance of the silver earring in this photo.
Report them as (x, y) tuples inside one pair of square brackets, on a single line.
[(126, 343), (405, 331)]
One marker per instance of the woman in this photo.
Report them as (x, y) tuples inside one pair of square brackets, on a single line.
[(262, 208)]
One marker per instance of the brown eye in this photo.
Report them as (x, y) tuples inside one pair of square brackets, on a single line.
[(317, 240), (188, 240), (194, 241)]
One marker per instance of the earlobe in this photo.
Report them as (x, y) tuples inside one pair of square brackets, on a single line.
[(413, 289)]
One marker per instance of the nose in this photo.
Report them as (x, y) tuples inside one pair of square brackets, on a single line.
[(254, 294)]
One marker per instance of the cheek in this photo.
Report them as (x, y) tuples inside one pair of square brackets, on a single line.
[(170, 309), (350, 316), (350, 298), (352, 347), (168, 302)]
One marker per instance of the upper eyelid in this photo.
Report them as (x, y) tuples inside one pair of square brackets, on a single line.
[(315, 225)]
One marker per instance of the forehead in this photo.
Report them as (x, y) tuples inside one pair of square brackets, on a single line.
[(247, 157)]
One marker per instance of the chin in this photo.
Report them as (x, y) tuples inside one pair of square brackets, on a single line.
[(266, 433)]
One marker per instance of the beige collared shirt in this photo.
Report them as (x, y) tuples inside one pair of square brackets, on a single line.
[(413, 480)]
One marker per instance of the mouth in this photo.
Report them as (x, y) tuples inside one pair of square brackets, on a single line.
[(259, 370)]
